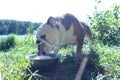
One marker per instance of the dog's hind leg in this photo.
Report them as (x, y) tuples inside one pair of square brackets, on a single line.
[(79, 48), (88, 35)]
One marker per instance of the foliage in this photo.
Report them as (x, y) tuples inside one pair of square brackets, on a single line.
[(106, 25), (12, 66), (13, 63), (8, 42), (109, 60), (17, 27)]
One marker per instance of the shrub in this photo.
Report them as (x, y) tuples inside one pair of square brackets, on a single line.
[(106, 25), (7, 42)]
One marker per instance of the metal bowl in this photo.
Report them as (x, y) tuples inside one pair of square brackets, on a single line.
[(43, 64)]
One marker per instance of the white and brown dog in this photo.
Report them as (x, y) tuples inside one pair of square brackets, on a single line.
[(58, 31)]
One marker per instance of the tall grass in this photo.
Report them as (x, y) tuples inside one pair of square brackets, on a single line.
[(13, 63), (110, 60)]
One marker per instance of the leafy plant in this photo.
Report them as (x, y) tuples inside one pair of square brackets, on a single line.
[(13, 63), (109, 60), (106, 25), (8, 42)]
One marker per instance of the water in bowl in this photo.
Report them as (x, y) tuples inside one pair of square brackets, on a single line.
[(41, 57)]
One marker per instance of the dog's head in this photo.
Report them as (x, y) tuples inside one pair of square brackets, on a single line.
[(47, 35)]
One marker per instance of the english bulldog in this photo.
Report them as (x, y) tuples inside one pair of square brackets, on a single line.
[(58, 31)]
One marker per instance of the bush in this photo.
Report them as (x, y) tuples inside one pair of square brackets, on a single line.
[(106, 25), (6, 43), (110, 61)]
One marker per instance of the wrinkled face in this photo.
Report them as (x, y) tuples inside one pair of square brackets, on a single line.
[(46, 36)]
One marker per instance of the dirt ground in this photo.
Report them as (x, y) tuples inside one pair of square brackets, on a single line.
[(68, 68)]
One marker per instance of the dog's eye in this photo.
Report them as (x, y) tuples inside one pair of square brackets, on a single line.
[(43, 36), (38, 41)]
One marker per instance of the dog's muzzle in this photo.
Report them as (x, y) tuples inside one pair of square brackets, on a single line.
[(39, 45)]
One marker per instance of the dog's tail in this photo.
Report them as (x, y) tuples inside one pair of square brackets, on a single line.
[(88, 33)]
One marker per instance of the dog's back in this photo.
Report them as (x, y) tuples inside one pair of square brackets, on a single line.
[(80, 29), (75, 31)]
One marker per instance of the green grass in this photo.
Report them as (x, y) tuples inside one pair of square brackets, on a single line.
[(110, 60), (13, 63)]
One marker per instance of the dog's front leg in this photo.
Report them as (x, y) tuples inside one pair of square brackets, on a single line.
[(56, 50)]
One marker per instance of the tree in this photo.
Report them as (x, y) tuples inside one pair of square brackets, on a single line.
[(17, 27)]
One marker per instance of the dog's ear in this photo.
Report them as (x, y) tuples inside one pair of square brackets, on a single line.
[(52, 21)]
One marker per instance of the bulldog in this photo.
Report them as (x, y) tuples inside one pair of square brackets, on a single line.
[(58, 31)]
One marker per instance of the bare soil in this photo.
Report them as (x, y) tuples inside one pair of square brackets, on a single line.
[(67, 69)]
